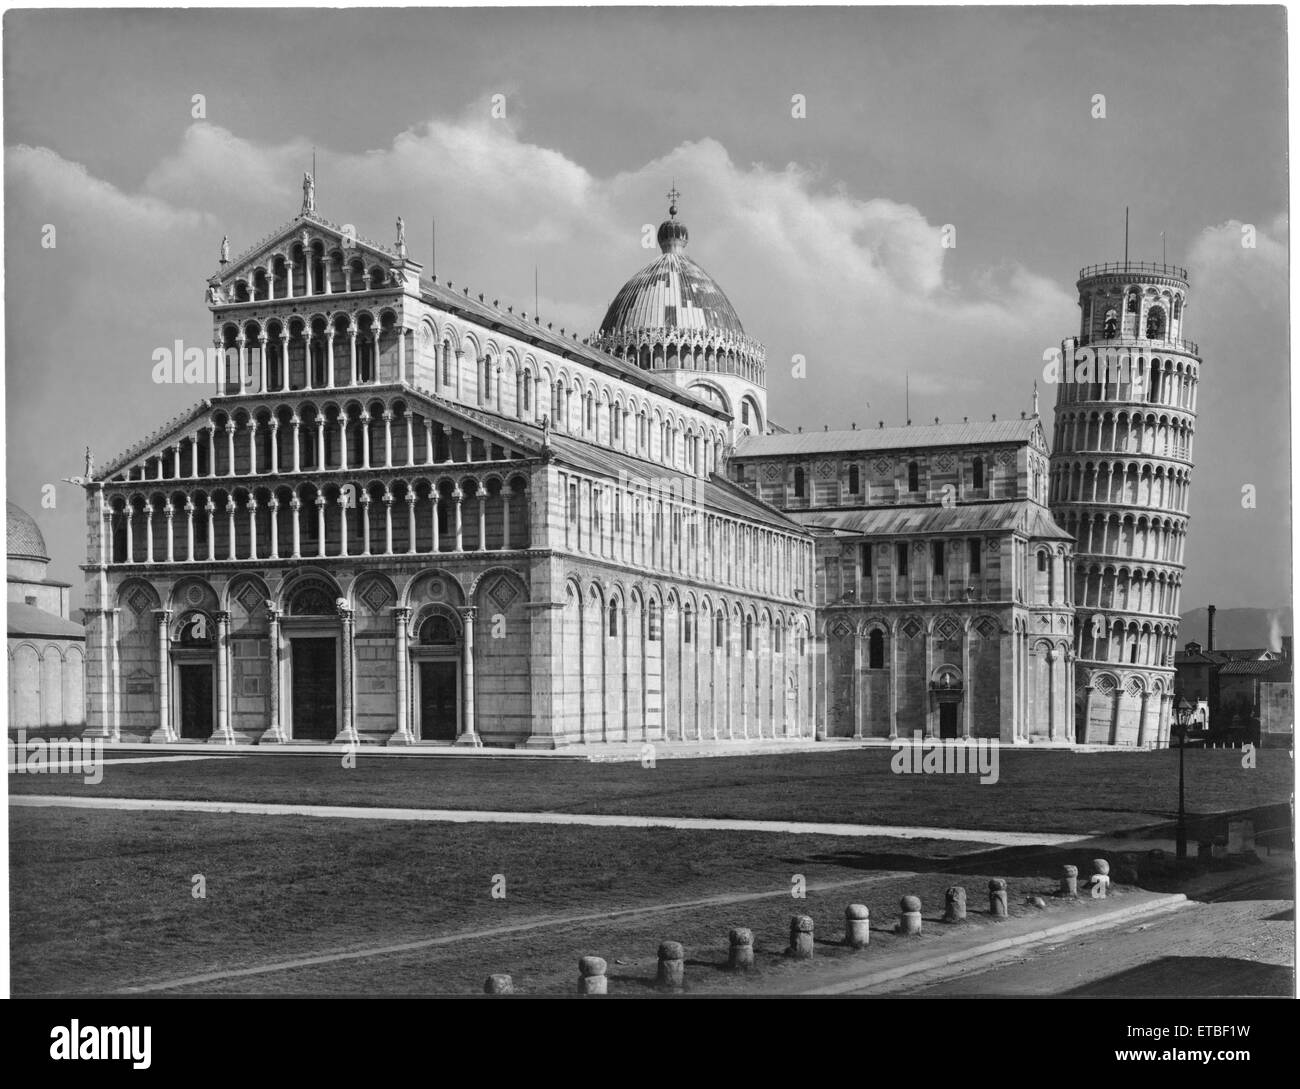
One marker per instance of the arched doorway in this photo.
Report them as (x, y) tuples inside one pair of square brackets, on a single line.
[(436, 673), (311, 630), (193, 660)]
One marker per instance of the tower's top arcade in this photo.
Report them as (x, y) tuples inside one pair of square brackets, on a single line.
[(1132, 302)]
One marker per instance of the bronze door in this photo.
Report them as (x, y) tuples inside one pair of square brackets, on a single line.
[(196, 702), (438, 689), (947, 720), (315, 716)]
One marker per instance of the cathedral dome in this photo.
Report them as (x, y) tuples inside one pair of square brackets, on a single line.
[(671, 293), (25, 540)]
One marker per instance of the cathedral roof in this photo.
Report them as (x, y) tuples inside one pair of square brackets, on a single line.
[(1018, 515), (888, 438), (672, 292), (25, 540)]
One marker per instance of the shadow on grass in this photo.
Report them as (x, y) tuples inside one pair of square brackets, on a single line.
[(1194, 977)]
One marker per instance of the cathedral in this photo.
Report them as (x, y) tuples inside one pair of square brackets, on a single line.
[(409, 515)]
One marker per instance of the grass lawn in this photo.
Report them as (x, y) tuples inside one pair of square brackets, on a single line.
[(1052, 791), (103, 901)]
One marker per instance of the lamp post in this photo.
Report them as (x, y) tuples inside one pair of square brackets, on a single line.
[(1183, 712)]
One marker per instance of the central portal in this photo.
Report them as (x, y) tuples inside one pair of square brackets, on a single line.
[(196, 702), (315, 710), (438, 701)]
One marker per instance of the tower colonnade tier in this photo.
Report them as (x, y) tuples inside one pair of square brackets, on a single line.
[(1120, 484)]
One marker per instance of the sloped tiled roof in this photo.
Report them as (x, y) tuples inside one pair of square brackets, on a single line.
[(1021, 515), (1256, 669), (24, 619), (887, 438)]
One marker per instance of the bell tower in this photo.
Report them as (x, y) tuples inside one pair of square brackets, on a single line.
[(1120, 480)]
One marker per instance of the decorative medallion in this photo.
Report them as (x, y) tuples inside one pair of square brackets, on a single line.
[(140, 601), (944, 463), (986, 628), (436, 589), (1104, 685), (194, 595), (249, 598), (771, 471), (1004, 458), (376, 595), (883, 466), (842, 629), (911, 628), (503, 593), (947, 629), (825, 469), (1134, 686)]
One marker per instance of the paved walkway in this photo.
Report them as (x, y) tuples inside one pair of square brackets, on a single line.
[(592, 820)]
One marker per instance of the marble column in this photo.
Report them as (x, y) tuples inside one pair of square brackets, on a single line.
[(468, 736)]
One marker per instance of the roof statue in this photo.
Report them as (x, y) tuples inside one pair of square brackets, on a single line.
[(308, 194), (90, 464), (401, 236), (225, 249)]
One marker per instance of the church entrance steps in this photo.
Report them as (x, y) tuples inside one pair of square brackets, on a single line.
[(591, 820)]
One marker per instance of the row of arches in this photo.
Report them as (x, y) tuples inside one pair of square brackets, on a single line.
[(315, 436), (1144, 643), (1131, 536), (314, 266), (1111, 375), (421, 515), (1134, 432), (46, 684), (1128, 589), (641, 522), (1140, 484), (1131, 310), (718, 354), (646, 663)]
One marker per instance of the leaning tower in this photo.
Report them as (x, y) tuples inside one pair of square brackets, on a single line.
[(1121, 467)]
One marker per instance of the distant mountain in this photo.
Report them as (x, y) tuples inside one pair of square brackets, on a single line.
[(1237, 628)]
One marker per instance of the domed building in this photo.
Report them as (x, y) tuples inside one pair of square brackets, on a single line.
[(46, 649), (672, 316)]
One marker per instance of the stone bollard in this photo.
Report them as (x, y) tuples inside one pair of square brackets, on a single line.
[(1070, 881), (955, 912), (801, 937), (1100, 878), (742, 949), (857, 926), (499, 983), (998, 898), (910, 920), (591, 978), (672, 966), (1241, 837)]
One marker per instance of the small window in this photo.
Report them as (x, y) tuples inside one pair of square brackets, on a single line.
[(977, 473), (798, 483), (776, 639), (1042, 561), (900, 554), (855, 481), (864, 555), (749, 633), (688, 625), (913, 477), (876, 650), (974, 550), (652, 623), (573, 501), (719, 630), (744, 412), (613, 618), (937, 552)]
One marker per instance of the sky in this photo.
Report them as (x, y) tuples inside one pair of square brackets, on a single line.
[(825, 230)]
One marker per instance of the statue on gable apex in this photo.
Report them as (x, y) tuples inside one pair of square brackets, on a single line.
[(308, 193), (225, 249)]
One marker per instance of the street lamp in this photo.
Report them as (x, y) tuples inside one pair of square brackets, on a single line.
[(1183, 712)]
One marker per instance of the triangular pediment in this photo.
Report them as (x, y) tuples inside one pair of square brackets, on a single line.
[(313, 228), (514, 443)]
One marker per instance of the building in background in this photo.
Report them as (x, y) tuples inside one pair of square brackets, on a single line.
[(46, 648)]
